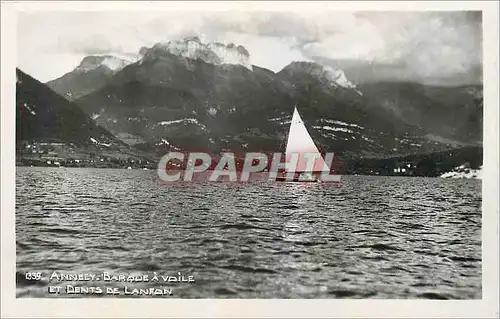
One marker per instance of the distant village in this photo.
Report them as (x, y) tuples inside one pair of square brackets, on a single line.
[(56, 154), (48, 154)]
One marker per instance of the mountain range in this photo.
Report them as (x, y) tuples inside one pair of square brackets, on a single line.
[(45, 115), (189, 95), (47, 122)]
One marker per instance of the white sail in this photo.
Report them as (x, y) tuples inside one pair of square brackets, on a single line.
[(300, 142)]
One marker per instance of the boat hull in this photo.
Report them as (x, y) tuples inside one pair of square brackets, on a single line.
[(297, 179)]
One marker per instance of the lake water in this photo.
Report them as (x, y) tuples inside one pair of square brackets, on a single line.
[(369, 237)]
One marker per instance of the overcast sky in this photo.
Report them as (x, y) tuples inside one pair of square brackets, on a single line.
[(429, 47)]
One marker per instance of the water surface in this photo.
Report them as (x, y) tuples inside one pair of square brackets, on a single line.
[(369, 237)]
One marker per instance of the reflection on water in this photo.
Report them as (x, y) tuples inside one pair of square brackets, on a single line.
[(370, 237)]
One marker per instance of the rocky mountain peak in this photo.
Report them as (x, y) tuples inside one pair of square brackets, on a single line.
[(192, 48), (335, 77), (95, 61)]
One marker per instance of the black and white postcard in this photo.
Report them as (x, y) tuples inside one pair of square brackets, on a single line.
[(212, 156)]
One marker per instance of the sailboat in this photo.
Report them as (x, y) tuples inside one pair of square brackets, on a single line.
[(300, 142)]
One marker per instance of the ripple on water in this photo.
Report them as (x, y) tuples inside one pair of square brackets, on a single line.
[(370, 237)]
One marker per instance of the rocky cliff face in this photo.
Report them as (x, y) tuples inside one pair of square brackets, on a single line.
[(91, 74)]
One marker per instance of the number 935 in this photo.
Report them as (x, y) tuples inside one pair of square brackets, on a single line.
[(33, 275)]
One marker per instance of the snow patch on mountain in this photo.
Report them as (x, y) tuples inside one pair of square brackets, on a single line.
[(335, 76), (192, 48), (188, 120), (334, 129), (93, 140), (113, 63), (281, 120), (184, 121), (327, 74), (163, 142), (212, 111), (30, 109), (329, 135), (342, 123), (367, 139)]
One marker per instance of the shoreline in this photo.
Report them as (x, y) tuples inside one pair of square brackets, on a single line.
[(446, 175)]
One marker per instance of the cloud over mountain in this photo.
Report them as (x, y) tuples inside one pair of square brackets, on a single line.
[(424, 46)]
